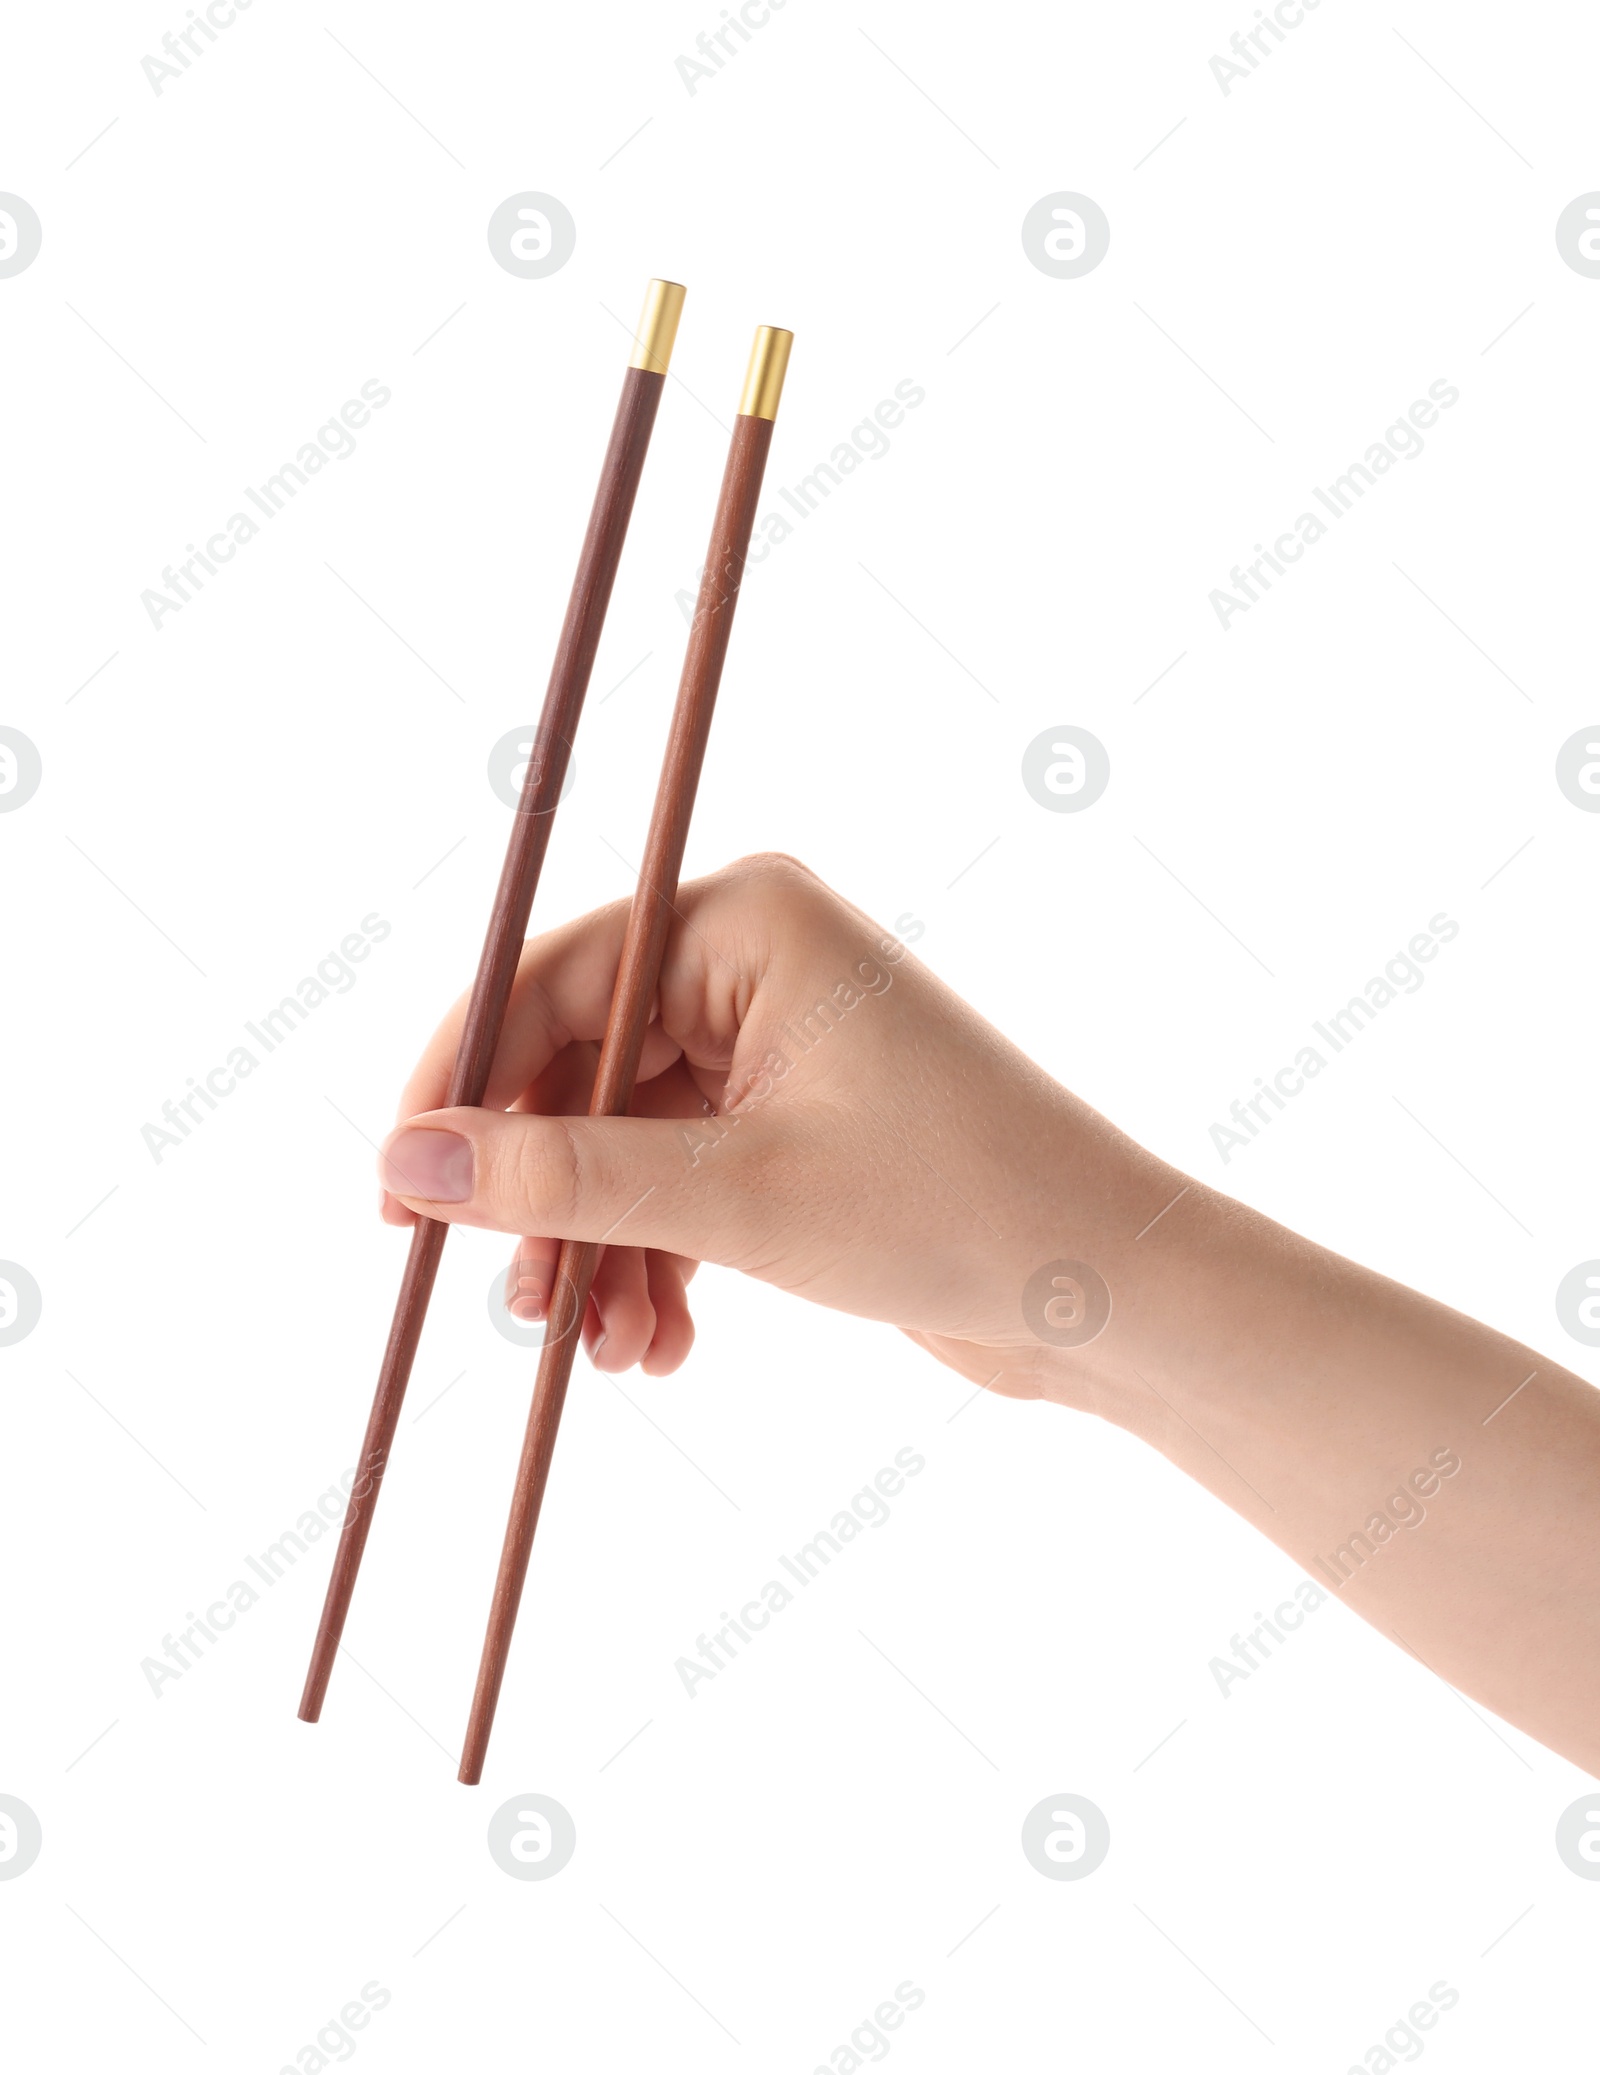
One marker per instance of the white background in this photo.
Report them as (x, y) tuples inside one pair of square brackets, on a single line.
[(228, 797)]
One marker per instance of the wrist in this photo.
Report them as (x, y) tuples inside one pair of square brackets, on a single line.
[(1103, 1280)]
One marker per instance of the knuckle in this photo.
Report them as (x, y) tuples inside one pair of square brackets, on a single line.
[(776, 868), (773, 891)]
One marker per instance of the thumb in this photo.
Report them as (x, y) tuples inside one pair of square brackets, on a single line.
[(683, 1185)]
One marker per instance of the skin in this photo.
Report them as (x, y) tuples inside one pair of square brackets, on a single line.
[(901, 1160)]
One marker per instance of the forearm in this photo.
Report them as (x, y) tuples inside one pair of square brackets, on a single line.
[(1441, 1479)]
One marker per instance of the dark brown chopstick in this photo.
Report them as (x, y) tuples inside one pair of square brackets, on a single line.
[(638, 973), (508, 921)]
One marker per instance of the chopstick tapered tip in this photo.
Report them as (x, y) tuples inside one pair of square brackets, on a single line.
[(657, 330), (763, 381)]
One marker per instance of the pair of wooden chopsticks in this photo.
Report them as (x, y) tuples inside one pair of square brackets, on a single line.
[(638, 971)]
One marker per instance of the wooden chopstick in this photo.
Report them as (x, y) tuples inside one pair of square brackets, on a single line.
[(508, 921), (638, 974)]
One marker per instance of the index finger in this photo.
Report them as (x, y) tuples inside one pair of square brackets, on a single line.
[(561, 993)]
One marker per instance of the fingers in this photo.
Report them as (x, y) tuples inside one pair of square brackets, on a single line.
[(639, 1312), (726, 931), (634, 1178), (638, 1309), (671, 1184), (562, 991), (621, 1320), (530, 1279), (674, 1333)]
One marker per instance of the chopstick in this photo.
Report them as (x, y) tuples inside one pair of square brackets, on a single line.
[(638, 974), (508, 921)]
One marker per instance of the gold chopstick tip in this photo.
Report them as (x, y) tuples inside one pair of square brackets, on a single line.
[(658, 326), (763, 381)]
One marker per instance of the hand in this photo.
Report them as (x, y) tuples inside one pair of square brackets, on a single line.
[(813, 1108), (816, 1109)]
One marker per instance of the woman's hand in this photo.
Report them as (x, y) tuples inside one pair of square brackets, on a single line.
[(813, 1108)]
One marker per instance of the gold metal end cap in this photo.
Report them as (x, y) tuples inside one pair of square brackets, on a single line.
[(658, 326), (763, 382)]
